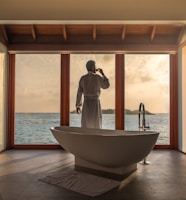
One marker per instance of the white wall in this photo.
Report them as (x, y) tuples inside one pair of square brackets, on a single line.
[(183, 142), (2, 96)]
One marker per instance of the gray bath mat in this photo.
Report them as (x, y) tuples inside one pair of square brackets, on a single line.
[(80, 182)]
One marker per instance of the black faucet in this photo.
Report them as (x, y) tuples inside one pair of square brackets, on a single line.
[(142, 122), (143, 126)]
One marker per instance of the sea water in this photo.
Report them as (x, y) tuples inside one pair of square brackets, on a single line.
[(34, 128)]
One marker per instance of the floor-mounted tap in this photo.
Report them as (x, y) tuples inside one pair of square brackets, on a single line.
[(142, 125), (142, 122)]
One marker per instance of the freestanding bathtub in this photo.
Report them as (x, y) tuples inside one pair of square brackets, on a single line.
[(113, 153)]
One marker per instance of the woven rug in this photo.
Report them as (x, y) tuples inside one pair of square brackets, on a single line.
[(81, 182)]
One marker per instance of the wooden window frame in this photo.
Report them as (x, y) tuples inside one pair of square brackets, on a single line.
[(65, 100)]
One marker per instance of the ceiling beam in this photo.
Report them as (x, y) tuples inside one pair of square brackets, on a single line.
[(102, 39), (153, 33), (64, 32), (94, 32), (33, 32), (123, 32), (5, 35), (114, 48)]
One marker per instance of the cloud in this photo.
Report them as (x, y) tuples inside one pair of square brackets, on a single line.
[(37, 83), (38, 80), (147, 81)]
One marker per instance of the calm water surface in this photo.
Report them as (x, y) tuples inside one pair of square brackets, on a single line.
[(34, 128)]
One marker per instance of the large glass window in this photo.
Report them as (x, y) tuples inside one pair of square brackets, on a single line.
[(147, 81), (37, 98), (107, 98)]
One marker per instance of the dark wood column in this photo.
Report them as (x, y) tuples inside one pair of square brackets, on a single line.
[(65, 89), (174, 101), (119, 77), (10, 102)]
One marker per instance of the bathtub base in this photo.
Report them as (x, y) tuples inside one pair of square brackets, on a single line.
[(118, 173)]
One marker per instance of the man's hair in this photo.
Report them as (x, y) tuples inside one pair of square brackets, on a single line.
[(90, 64)]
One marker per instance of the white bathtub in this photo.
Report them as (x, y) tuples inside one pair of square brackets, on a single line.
[(114, 152)]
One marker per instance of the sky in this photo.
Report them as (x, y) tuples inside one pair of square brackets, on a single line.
[(38, 81)]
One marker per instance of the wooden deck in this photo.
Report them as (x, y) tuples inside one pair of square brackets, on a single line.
[(164, 178)]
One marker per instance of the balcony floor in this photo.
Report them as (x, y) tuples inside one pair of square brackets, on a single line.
[(164, 178)]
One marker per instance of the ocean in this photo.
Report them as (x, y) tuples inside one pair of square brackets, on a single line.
[(34, 128)]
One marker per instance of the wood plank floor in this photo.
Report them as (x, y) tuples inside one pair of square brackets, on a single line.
[(20, 170)]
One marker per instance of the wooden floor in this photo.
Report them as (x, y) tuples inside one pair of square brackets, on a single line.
[(20, 170)]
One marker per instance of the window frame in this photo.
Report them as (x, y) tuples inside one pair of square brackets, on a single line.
[(65, 100)]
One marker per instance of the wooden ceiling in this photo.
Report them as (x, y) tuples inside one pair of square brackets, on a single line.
[(88, 34)]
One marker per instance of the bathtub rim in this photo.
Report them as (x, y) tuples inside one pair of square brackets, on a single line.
[(101, 132)]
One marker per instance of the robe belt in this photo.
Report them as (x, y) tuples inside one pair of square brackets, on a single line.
[(91, 97)]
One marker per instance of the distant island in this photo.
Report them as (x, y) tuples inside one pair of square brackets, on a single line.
[(127, 112)]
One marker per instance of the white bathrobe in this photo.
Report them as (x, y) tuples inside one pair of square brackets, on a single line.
[(90, 86)]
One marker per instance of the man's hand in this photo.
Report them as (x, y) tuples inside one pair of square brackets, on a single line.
[(78, 110), (100, 71)]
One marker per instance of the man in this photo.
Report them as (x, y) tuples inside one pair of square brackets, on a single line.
[(90, 86)]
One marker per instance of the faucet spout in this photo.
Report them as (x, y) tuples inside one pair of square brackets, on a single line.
[(142, 122)]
